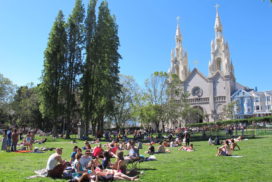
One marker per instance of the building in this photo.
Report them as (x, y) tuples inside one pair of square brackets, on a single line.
[(208, 93), (250, 103)]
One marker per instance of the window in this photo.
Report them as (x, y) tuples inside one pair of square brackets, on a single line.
[(218, 64), (268, 98), (257, 99), (257, 108), (269, 107)]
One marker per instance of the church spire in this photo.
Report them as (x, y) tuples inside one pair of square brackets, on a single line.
[(218, 25), (179, 58), (220, 55), (178, 34)]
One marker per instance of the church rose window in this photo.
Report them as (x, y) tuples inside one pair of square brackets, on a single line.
[(197, 91)]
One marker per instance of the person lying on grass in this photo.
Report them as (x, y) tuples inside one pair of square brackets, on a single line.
[(55, 165), (109, 174), (224, 150), (188, 149)]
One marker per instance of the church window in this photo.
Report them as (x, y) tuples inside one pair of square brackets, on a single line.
[(218, 64), (257, 108)]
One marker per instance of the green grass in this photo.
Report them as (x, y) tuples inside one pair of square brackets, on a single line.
[(198, 166)]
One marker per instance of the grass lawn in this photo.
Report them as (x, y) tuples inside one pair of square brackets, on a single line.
[(198, 166)]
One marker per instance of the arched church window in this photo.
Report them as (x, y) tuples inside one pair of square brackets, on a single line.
[(218, 64)]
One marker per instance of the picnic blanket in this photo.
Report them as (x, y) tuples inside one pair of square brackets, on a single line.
[(39, 173), (23, 151)]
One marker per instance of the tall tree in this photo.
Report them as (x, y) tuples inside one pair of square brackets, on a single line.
[(87, 80), (53, 75), (106, 79), (75, 44)]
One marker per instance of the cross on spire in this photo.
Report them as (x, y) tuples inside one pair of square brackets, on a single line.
[(216, 7), (178, 19)]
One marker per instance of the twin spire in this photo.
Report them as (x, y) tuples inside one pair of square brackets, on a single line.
[(220, 57)]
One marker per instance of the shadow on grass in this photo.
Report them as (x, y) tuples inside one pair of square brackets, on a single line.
[(146, 169)]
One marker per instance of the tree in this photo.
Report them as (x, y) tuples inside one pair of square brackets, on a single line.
[(124, 101), (75, 44), (151, 108), (26, 107), (105, 85), (87, 81), (7, 91), (55, 55)]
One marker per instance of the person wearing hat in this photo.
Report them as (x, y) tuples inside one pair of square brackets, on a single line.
[(55, 165), (85, 159)]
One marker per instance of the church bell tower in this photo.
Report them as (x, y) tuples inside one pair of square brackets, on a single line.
[(220, 55), (179, 58)]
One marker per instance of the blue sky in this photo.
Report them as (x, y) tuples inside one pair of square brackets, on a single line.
[(146, 31)]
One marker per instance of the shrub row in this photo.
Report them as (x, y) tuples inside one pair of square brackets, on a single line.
[(248, 121)]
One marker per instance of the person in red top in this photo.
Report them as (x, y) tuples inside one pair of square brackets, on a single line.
[(97, 151), (112, 149)]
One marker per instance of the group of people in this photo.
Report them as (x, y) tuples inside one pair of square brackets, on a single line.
[(228, 147), (11, 138), (95, 163)]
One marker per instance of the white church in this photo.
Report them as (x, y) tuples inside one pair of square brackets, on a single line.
[(213, 92)]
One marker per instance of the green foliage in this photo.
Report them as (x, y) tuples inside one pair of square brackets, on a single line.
[(73, 64), (7, 91), (26, 108), (53, 76), (125, 101), (267, 119)]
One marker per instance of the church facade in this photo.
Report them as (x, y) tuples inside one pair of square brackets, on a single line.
[(209, 93)]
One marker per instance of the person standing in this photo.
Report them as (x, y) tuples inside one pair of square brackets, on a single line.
[(9, 140), (55, 165), (4, 141), (14, 138)]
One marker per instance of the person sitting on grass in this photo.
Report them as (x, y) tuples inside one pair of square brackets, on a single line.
[(188, 149), (234, 145), (98, 151), (87, 146), (55, 165), (112, 149), (73, 155), (81, 173), (133, 152), (28, 141), (106, 160), (151, 149), (85, 159), (224, 150), (161, 148), (120, 164)]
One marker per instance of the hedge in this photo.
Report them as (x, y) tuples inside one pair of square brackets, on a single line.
[(267, 119)]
